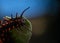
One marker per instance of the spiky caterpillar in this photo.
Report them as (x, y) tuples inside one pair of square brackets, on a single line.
[(18, 28)]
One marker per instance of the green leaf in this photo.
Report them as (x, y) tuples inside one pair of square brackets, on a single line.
[(24, 33)]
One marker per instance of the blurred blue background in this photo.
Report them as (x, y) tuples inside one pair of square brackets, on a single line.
[(37, 7)]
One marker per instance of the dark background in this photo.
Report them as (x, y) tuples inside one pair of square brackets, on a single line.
[(51, 33)]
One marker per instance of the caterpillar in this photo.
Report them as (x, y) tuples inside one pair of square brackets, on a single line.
[(7, 25)]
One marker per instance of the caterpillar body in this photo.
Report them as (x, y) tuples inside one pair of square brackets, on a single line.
[(8, 24)]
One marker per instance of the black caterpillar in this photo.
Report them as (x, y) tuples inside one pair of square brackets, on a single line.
[(7, 25)]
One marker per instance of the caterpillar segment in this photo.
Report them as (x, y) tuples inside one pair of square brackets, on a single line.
[(9, 23)]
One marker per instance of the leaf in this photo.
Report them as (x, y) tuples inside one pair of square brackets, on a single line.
[(24, 33)]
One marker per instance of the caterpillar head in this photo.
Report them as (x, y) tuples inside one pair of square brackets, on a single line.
[(17, 18), (20, 18)]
